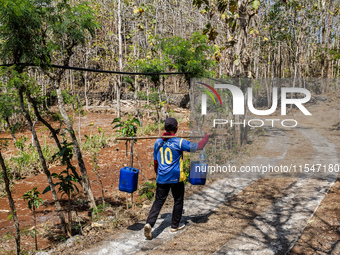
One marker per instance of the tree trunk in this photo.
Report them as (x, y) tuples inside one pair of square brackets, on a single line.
[(69, 212), (35, 228), (329, 39), (244, 132), (86, 181), (85, 87), (52, 130), (160, 102), (11, 131), (120, 58), (242, 61), (43, 161), (118, 88), (11, 204), (136, 101), (99, 178), (147, 99), (137, 86), (79, 114)]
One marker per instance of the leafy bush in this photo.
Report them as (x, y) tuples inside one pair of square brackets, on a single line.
[(147, 190), (128, 127), (20, 143), (67, 184), (153, 65), (191, 56)]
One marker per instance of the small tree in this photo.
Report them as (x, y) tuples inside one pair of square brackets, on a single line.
[(67, 181), (67, 186), (128, 127), (20, 81), (155, 65), (157, 106), (96, 144), (192, 56), (34, 201), (45, 32)]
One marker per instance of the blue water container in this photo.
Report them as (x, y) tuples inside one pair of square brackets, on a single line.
[(198, 176), (128, 179)]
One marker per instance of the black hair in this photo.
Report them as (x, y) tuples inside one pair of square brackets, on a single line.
[(170, 128)]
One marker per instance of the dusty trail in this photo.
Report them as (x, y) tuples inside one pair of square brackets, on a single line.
[(276, 230)]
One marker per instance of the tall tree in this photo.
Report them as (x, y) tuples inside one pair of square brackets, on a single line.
[(68, 29), (11, 203), (120, 58), (194, 57), (21, 36), (52, 31)]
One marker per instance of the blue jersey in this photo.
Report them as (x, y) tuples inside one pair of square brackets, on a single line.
[(169, 155)]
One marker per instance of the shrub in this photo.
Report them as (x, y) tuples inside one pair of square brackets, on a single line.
[(148, 129), (128, 127), (186, 169), (96, 141), (147, 190)]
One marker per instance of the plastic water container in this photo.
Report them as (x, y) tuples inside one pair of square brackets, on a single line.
[(128, 179), (198, 176)]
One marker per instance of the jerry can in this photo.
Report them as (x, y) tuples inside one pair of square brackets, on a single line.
[(128, 179), (198, 175)]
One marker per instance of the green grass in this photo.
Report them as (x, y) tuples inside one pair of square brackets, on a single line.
[(27, 162), (149, 129), (95, 142)]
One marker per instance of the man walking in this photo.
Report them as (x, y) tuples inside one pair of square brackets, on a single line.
[(168, 165)]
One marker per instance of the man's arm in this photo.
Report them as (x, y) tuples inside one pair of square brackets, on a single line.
[(155, 162), (186, 145), (204, 141)]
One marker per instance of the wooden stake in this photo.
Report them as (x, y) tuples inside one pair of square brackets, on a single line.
[(140, 165), (131, 153), (127, 203), (131, 165)]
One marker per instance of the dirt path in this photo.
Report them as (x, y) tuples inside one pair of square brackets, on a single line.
[(276, 229)]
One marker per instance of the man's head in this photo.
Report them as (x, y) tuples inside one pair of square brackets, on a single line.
[(171, 125)]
